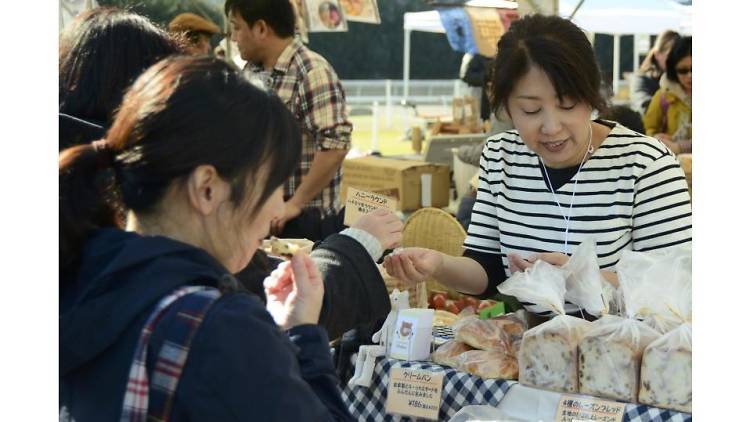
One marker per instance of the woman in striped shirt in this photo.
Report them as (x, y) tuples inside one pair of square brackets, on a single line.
[(560, 176)]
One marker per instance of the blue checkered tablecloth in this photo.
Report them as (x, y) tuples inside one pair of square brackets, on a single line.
[(461, 389), (643, 413)]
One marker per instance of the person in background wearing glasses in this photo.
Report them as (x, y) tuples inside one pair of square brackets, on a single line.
[(560, 176), (646, 81), (669, 117)]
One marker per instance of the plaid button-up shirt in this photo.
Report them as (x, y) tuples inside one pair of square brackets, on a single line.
[(310, 88)]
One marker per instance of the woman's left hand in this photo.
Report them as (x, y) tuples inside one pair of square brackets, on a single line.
[(555, 258), (516, 263)]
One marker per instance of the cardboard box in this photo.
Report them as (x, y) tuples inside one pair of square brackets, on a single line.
[(400, 179)]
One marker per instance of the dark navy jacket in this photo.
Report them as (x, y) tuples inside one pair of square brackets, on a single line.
[(241, 366)]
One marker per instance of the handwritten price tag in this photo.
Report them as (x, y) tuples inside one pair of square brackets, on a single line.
[(585, 409), (413, 392), (359, 203)]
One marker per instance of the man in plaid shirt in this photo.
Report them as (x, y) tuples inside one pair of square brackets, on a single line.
[(306, 82)]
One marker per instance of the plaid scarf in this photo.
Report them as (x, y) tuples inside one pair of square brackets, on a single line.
[(152, 398)]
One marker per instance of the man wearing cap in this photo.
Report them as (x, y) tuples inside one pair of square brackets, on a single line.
[(264, 31), (197, 30)]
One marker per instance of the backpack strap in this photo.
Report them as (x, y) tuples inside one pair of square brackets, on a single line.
[(151, 399)]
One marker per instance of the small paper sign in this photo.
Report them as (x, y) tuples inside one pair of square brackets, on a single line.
[(359, 203), (414, 392), (575, 408)]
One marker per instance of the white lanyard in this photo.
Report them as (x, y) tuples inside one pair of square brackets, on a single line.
[(589, 150)]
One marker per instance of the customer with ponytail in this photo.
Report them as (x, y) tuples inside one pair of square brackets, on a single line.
[(150, 323)]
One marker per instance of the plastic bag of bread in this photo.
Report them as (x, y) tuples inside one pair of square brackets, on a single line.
[(548, 356), (489, 364), (666, 371), (584, 284), (448, 353), (609, 357), (514, 325), (657, 286), (483, 334)]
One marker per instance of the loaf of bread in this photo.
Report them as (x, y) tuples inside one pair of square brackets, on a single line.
[(510, 323), (484, 334), (610, 357), (514, 326), (666, 371), (548, 358), (448, 353), (488, 364)]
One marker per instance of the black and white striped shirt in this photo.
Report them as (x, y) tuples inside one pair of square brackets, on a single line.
[(631, 194)]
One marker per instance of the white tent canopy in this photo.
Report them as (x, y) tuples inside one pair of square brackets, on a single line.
[(615, 17), (428, 21), (629, 17)]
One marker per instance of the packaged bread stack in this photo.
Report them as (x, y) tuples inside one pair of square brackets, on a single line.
[(611, 353), (666, 368), (548, 355), (447, 354), (485, 348), (609, 357), (489, 364)]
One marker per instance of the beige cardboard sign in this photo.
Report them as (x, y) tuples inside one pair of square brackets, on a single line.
[(414, 392), (359, 203), (487, 28), (584, 409)]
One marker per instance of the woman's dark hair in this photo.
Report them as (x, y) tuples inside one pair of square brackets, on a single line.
[(559, 48), (279, 15), (625, 116), (683, 47), (181, 113), (101, 52)]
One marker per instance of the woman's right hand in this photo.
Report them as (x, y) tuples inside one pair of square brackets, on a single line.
[(294, 292), (413, 265)]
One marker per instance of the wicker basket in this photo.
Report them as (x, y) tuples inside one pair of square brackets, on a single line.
[(435, 229)]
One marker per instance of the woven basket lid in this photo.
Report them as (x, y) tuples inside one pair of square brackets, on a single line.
[(435, 229)]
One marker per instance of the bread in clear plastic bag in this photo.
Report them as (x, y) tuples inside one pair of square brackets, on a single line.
[(447, 354), (548, 357), (489, 364), (490, 334), (666, 371), (515, 325), (657, 286), (584, 284), (609, 357), (542, 284)]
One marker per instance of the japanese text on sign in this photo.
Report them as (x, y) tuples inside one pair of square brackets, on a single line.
[(574, 409), (413, 392), (359, 203)]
